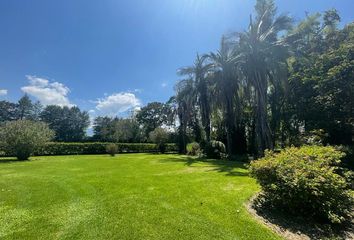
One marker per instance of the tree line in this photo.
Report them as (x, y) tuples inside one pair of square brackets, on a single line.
[(271, 85), (277, 84), (70, 124)]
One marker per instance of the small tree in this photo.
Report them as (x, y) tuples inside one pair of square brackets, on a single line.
[(112, 149), (22, 137), (160, 137)]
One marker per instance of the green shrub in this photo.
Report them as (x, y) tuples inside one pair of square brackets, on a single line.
[(21, 138), (160, 137), (193, 149), (112, 149), (305, 181), (315, 137), (215, 149)]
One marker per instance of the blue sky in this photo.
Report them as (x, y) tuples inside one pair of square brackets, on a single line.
[(109, 56)]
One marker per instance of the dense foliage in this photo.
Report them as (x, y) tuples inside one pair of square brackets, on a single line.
[(193, 149), (22, 137), (268, 86), (160, 137), (107, 129), (264, 88), (69, 124), (23, 109), (306, 181), (215, 149), (152, 116)]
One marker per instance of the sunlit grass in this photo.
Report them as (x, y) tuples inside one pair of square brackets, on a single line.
[(132, 196)]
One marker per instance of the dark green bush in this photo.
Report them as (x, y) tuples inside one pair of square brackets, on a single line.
[(215, 149), (305, 181), (112, 149), (193, 149), (348, 159)]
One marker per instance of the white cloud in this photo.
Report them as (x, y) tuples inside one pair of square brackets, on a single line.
[(163, 85), (117, 103), (3, 92), (48, 93), (138, 90)]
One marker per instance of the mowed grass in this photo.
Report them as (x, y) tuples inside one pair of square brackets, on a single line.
[(131, 196)]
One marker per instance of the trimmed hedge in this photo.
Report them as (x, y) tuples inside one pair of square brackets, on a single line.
[(61, 148)]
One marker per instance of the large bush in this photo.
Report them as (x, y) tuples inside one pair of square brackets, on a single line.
[(305, 181), (21, 138), (160, 137), (215, 149), (112, 149), (193, 149)]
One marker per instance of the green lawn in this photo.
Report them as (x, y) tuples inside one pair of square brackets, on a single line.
[(131, 196)]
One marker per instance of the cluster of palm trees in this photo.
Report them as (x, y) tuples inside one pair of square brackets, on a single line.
[(229, 88)]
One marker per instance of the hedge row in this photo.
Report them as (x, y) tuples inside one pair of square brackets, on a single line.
[(61, 148)]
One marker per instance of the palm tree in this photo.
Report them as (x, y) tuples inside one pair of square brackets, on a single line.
[(263, 58), (227, 83), (185, 99), (198, 72)]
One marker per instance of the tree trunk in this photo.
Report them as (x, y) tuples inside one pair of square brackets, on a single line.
[(263, 131)]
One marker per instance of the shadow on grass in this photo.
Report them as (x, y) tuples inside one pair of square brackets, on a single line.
[(231, 168), (296, 227), (10, 160)]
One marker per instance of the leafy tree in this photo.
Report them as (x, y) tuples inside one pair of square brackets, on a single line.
[(160, 137), (22, 137), (152, 116), (323, 89), (69, 124), (102, 129), (25, 108), (116, 130), (8, 111)]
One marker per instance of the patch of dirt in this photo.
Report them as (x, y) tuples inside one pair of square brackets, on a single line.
[(295, 228)]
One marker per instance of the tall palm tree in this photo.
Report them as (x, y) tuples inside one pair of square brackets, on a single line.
[(227, 83), (198, 72), (263, 58), (185, 99)]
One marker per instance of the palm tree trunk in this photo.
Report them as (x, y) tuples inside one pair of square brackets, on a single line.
[(263, 131)]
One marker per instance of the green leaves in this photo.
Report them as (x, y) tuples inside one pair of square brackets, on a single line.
[(306, 181), (22, 137)]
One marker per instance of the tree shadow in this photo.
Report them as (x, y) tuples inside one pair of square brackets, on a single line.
[(10, 160), (231, 168), (282, 221)]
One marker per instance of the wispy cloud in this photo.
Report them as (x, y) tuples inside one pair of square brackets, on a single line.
[(117, 103), (138, 90), (163, 85), (3, 92), (47, 92)]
